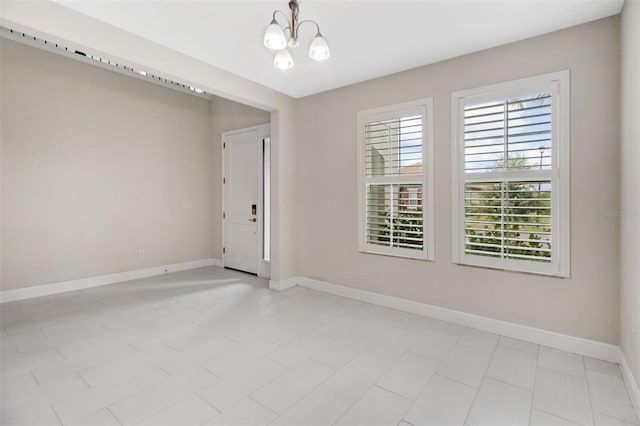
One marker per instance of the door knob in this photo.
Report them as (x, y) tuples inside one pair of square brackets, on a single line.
[(253, 220)]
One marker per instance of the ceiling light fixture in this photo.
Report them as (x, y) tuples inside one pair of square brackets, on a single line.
[(276, 39)]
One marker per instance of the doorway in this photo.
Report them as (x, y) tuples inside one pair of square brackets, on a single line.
[(246, 200)]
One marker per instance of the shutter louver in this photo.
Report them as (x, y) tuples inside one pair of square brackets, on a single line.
[(394, 216), (518, 130), (394, 175), (394, 147), (509, 220), (508, 217)]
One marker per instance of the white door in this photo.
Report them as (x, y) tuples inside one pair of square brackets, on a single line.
[(242, 207)]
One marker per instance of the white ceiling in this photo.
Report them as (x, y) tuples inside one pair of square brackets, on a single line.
[(368, 39)]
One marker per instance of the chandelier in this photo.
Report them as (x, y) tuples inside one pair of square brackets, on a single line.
[(276, 39)]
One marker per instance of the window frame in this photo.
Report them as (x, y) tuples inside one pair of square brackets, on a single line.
[(423, 107), (558, 84)]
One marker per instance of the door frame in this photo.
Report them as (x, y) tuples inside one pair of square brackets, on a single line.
[(264, 132)]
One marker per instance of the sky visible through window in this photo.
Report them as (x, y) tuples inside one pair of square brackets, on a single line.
[(514, 134)]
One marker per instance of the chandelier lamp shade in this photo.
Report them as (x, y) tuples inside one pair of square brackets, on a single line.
[(278, 38)]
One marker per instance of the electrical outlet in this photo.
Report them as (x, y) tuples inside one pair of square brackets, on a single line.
[(140, 252), (363, 271)]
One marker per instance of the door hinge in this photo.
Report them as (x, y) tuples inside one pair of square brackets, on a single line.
[(224, 250), (224, 216), (224, 180), (224, 145)]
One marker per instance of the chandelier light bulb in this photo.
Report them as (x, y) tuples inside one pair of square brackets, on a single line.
[(274, 37), (319, 49), (283, 60), (278, 36)]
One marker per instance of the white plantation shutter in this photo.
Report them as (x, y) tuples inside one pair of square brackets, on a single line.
[(511, 175), (391, 220), (508, 220), (518, 129), (394, 165)]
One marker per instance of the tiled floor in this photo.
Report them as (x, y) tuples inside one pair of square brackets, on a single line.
[(216, 347)]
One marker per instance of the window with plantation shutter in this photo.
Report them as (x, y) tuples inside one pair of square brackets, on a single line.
[(395, 180), (510, 172)]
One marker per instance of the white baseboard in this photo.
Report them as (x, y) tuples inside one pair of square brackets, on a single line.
[(630, 382), (216, 262), (282, 285), (551, 339), (64, 286)]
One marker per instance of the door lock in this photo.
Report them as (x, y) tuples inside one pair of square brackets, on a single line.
[(254, 209)]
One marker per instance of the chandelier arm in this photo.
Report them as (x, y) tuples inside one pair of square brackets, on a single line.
[(285, 17), (309, 20)]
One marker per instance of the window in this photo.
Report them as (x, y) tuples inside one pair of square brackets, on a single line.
[(396, 180), (511, 175)]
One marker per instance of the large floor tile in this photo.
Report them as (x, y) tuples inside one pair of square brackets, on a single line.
[(609, 396), (377, 407), (514, 367), (394, 343), (68, 367), (89, 401), (338, 353), (450, 327), (465, 365), (119, 369), (323, 406), (518, 345), (300, 349), (560, 361), (478, 339), (409, 376), (375, 326), (246, 412), (38, 417), (435, 343), (287, 389), (191, 411), (540, 418), (240, 384), (604, 420), (19, 403), (602, 366), (360, 374), (148, 402), (99, 418), (562, 395), (444, 402), (417, 323), (500, 404)]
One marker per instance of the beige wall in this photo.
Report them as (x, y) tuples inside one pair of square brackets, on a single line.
[(96, 165), (630, 187), (585, 305), (55, 22), (228, 115)]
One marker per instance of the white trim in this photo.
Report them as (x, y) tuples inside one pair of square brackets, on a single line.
[(64, 286), (591, 348), (632, 385), (424, 108), (558, 83), (282, 285)]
